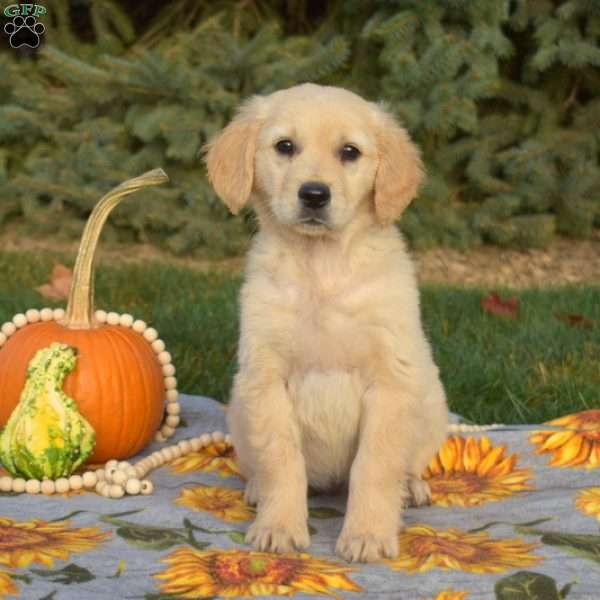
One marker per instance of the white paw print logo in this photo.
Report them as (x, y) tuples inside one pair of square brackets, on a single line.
[(24, 31)]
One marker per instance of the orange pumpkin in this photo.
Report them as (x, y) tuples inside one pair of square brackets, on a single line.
[(118, 382)]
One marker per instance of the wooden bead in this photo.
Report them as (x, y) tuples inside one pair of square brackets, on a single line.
[(147, 463), (58, 313), (168, 370), (8, 328), (112, 318), (48, 487), (32, 315), (218, 436), (119, 477), (100, 485), (6, 484), (101, 316), (205, 439), (164, 357), (133, 486), (151, 334), (170, 383), (18, 485), (109, 474), (100, 474), (126, 320), (172, 420), (167, 431), (160, 438), (75, 482), (3, 339), (185, 446), (139, 326), (167, 454), (20, 320), (62, 485), (173, 408), (143, 464), (46, 314), (90, 479), (131, 472), (196, 444), (158, 346), (32, 486), (140, 471), (172, 395), (123, 465), (157, 459), (111, 464), (116, 491), (228, 439), (106, 490), (146, 487), (176, 450)]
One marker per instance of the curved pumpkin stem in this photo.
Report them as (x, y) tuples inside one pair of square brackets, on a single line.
[(80, 308)]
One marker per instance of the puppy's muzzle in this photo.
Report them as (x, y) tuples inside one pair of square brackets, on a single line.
[(314, 199)]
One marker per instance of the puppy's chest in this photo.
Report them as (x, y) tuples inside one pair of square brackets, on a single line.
[(327, 325)]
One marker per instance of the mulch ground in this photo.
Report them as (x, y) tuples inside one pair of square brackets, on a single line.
[(563, 262)]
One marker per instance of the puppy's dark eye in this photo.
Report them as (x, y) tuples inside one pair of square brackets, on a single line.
[(285, 147), (349, 152)]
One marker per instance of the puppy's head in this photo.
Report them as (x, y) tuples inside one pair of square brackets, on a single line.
[(312, 158)]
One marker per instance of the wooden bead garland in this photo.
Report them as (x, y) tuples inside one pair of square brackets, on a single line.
[(117, 479)]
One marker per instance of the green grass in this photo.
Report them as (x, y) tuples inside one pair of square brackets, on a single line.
[(494, 369)]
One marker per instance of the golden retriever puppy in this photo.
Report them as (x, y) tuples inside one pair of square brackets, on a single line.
[(336, 382)]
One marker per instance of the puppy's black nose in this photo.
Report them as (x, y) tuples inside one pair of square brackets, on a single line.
[(314, 194)]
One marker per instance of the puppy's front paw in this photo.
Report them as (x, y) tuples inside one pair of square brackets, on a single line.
[(355, 546), (278, 537)]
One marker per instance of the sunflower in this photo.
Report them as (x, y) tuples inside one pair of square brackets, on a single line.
[(218, 456), (577, 445), (7, 585), (242, 574), (423, 548), (467, 472), (588, 502), (42, 542), (450, 594), (225, 503)]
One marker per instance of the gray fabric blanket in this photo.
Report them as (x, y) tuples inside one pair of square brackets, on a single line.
[(515, 516)]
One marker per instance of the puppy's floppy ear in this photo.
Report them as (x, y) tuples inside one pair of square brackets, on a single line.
[(230, 156), (399, 172)]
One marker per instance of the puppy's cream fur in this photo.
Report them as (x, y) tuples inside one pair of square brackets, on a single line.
[(336, 382)]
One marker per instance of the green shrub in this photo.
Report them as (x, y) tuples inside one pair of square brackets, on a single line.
[(503, 97)]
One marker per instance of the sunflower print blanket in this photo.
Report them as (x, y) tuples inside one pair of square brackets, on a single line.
[(515, 515)]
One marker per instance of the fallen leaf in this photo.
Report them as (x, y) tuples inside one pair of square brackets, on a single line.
[(575, 320), (60, 283), (495, 305)]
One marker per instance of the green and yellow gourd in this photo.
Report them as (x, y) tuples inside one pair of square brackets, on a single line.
[(46, 437)]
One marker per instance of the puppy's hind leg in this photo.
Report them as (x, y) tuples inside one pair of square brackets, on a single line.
[(433, 432), (251, 492), (419, 493)]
